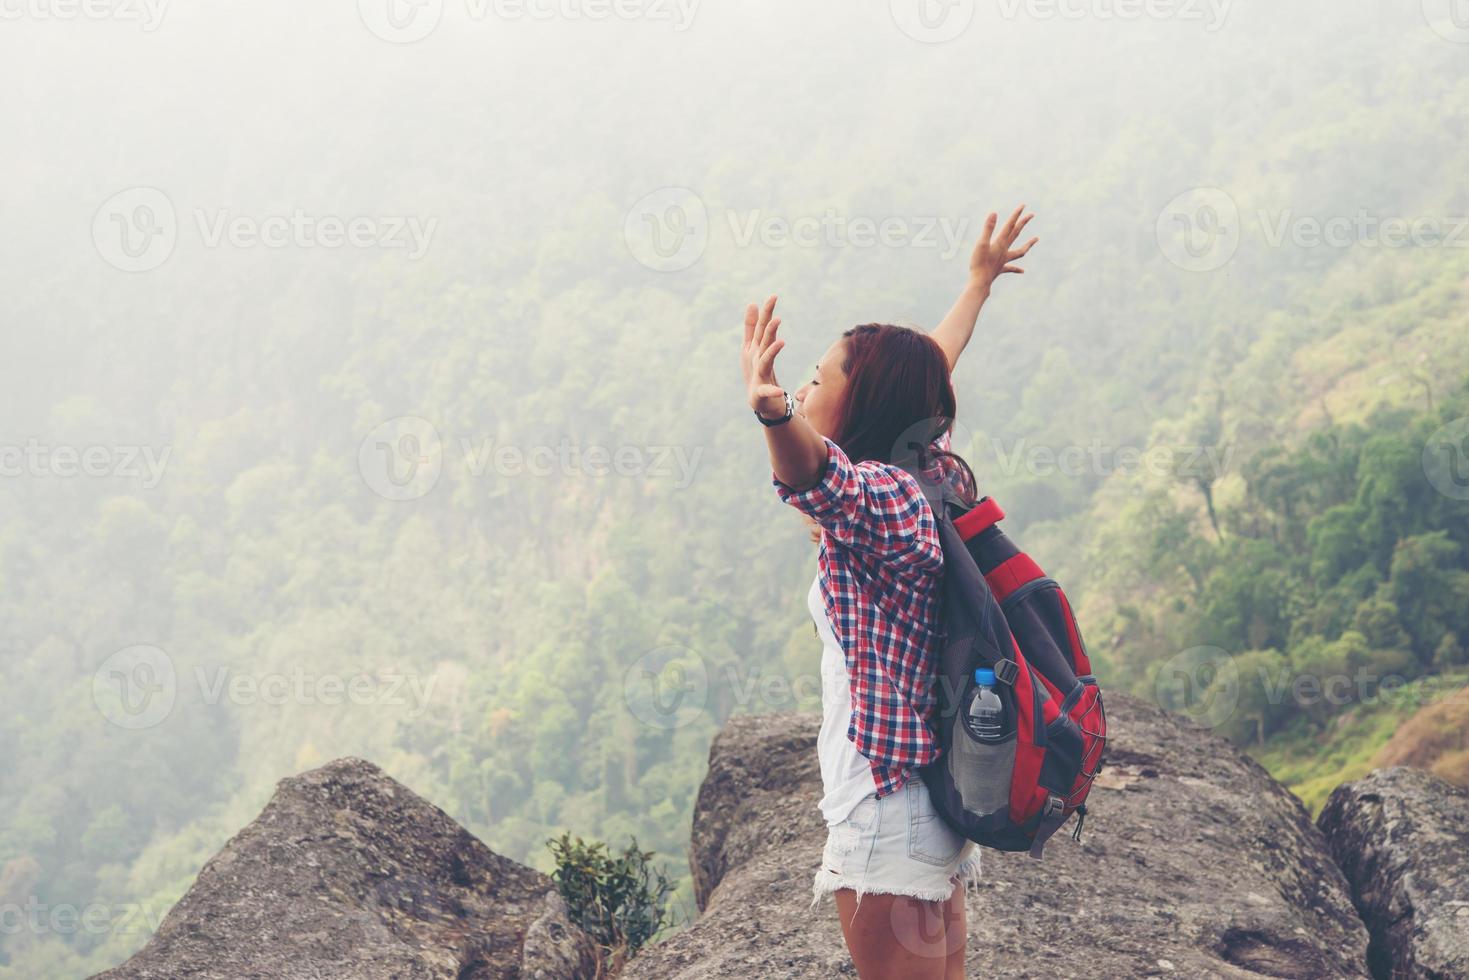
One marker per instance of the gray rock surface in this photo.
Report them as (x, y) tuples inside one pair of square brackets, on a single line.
[(1402, 838), (1194, 863), (347, 874)]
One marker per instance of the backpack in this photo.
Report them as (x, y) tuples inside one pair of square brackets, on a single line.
[(1014, 790)]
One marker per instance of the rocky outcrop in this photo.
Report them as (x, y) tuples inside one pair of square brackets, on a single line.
[(1194, 863), (348, 874), (1402, 838)]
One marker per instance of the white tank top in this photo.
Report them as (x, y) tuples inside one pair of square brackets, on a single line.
[(846, 775)]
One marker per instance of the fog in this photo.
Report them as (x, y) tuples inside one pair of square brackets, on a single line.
[(396, 340)]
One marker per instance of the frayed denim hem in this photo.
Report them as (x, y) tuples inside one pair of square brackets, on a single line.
[(826, 883), (967, 874)]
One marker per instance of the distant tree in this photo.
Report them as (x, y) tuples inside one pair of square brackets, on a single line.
[(1392, 494), (1316, 663), (1249, 595), (1450, 653), (1335, 542), (1378, 619), (1264, 703), (1429, 584)]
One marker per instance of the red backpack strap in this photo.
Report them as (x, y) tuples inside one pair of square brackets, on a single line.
[(1010, 574), (984, 516)]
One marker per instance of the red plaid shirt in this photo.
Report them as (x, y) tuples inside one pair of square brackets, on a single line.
[(881, 575)]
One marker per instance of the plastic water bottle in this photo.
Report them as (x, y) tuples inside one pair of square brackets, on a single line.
[(986, 713)]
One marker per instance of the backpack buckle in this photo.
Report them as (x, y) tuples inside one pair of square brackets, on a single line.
[(1006, 671), (1052, 816)]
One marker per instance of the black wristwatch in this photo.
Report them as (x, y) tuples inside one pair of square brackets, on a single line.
[(790, 411)]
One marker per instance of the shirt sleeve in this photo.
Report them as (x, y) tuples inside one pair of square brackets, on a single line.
[(868, 507)]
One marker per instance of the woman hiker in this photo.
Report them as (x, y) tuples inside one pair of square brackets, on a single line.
[(844, 450)]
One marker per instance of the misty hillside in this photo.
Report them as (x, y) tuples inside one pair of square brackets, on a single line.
[(473, 491)]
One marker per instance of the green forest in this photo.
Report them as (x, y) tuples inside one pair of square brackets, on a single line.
[(1340, 558), (1245, 476)]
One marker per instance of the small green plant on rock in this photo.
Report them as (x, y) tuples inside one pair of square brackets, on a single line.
[(621, 900)]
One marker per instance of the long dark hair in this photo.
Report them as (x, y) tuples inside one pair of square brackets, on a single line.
[(899, 400)]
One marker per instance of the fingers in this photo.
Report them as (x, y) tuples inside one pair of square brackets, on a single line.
[(770, 330), (766, 311), (767, 360), (1021, 252), (989, 227), (763, 325), (765, 366), (1007, 234), (1018, 229), (757, 324), (1013, 268)]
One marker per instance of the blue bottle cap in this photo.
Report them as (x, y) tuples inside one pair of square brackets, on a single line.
[(985, 676)]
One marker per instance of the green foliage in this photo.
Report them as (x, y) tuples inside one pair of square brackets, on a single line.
[(1259, 709), (1324, 592), (1311, 767), (530, 602), (1450, 653), (620, 899)]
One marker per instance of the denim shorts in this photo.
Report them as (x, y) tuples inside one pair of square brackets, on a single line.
[(897, 845)]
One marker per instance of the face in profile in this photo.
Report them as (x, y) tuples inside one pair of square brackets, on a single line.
[(820, 400)]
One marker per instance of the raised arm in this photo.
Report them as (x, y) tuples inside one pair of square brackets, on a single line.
[(993, 256), (797, 452), (865, 506)]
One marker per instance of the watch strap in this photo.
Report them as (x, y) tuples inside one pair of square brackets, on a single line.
[(790, 412)]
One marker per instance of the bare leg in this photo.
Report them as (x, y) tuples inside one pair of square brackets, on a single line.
[(957, 928), (894, 937)]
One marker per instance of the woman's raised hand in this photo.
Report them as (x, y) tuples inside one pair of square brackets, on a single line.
[(994, 255), (757, 358)]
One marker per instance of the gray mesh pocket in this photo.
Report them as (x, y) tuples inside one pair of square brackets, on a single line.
[(981, 771)]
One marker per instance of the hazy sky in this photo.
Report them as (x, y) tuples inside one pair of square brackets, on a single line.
[(462, 126), (239, 234)]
